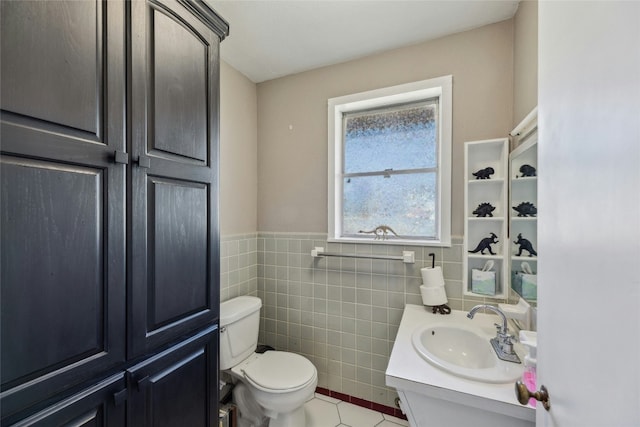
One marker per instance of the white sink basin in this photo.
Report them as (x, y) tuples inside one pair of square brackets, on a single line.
[(463, 350)]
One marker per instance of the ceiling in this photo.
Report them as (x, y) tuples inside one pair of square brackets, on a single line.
[(270, 39)]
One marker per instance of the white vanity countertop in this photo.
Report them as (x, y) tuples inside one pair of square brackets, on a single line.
[(408, 371)]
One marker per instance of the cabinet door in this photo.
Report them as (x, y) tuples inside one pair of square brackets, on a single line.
[(62, 196), (102, 405), (177, 387), (174, 182)]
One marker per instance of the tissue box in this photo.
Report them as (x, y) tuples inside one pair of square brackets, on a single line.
[(516, 282), (526, 285), (483, 282), (529, 286)]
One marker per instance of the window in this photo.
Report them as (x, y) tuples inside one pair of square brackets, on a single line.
[(390, 165)]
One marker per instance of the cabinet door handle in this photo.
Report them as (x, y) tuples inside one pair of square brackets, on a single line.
[(121, 157), (143, 383), (144, 162), (119, 397)]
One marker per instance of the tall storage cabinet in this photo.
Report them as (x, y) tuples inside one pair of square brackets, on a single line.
[(109, 256), (173, 216)]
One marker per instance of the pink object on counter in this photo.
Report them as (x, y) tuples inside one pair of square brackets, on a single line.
[(529, 379)]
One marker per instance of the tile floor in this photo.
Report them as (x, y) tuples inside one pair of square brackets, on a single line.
[(325, 411)]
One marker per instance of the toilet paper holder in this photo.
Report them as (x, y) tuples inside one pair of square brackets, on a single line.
[(432, 290)]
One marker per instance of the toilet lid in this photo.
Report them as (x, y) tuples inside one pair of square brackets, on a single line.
[(280, 370)]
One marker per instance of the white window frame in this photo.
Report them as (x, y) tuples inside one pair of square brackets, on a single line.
[(440, 88)]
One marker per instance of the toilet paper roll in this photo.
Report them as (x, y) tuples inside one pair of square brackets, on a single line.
[(432, 277), (433, 296)]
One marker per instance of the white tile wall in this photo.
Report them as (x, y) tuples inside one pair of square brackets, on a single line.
[(238, 266), (341, 313)]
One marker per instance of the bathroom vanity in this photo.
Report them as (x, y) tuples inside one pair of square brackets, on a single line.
[(432, 395)]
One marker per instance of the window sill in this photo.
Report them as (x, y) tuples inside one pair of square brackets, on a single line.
[(390, 241)]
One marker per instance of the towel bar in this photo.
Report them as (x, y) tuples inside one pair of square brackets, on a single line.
[(408, 257)]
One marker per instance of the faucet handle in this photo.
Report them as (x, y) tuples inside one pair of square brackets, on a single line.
[(499, 328), (509, 339)]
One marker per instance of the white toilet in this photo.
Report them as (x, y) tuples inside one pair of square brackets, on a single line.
[(279, 381)]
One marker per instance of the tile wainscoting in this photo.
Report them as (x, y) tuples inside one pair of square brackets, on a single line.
[(238, 265), (341, 313)]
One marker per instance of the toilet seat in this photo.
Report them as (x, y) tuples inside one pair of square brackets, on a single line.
[(277, 371)]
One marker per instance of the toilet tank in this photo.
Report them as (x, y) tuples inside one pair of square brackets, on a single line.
[(239, 325)]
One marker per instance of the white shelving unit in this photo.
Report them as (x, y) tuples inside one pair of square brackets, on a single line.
[(522, 190), (479, 155)]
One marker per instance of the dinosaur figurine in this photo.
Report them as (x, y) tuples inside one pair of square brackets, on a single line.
[(484, 173), (381, 232), (527, 170), (483, 210), (525, 245), (526, 209), (486, 244)]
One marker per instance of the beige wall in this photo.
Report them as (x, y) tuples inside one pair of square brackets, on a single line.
[(525, 60), (292, 118), (238, 152)]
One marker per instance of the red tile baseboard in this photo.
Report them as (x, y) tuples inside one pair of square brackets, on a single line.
[(361, 402)]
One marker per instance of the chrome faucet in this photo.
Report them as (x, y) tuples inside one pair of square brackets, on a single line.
[(503, 328), (503, 342)]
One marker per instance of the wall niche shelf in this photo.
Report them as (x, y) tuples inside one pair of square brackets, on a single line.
[(514, 182), (523, 189), (479, 155)]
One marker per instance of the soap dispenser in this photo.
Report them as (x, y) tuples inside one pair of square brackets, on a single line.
[(530, 340)]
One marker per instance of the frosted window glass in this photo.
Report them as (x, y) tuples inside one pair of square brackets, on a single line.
[(390, 165), (393, 138), (406, 203)]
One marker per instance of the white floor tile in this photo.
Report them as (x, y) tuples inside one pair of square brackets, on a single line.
[(325, 411), (356, 416), (328, 398), (321, 413), (395, 420), (387, 423)]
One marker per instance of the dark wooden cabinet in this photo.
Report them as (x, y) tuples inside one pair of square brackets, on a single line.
[(101, 405), (108, 201), (173, 215), (62, 197), (177, 387)]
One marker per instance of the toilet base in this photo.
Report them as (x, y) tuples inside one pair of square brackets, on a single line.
[(250, 413), (296, 418)]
